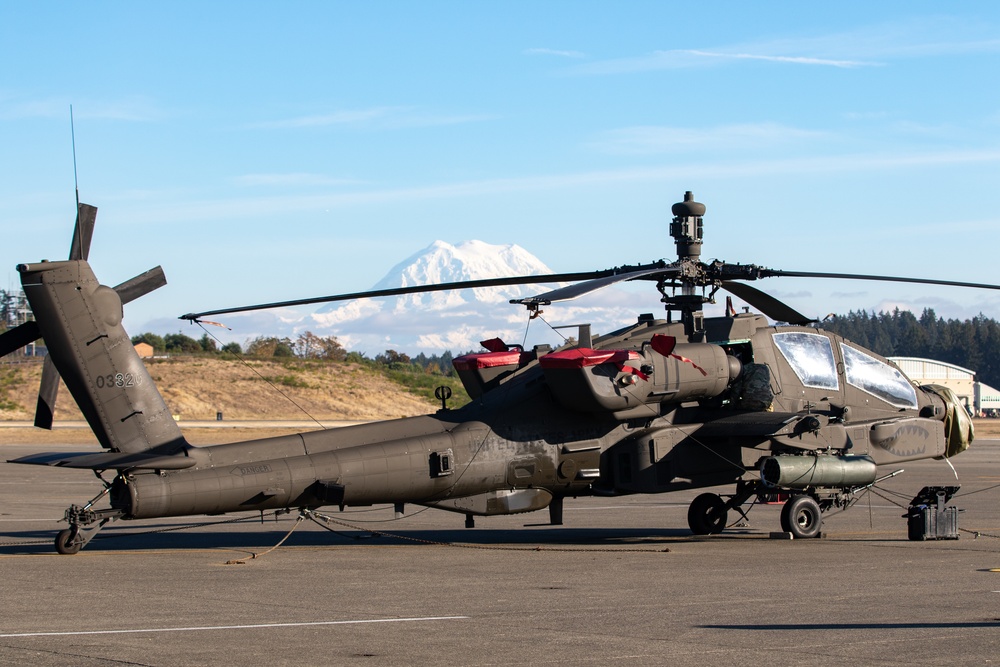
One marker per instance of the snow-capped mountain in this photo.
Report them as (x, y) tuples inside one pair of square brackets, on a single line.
[(455, 320), (441, 262), (436, 321)]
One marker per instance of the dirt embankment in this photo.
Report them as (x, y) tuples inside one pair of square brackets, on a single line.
[(197, 389)]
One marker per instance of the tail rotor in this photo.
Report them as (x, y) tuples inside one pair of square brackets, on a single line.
[(25, 334)]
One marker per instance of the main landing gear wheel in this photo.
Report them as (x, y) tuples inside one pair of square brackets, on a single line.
[(801, 517), (67, 542), (707, 514)]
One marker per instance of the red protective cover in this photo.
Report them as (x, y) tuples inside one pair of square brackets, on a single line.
[(584, 356), (471, 362), (663, 344), (495, 345)]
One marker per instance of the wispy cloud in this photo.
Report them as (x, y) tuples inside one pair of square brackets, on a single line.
[(912, 128), (343, 117), (867, 46), (134, 108), (293, 180), (222, 210), (434, 120), (917, 37), (685, 58), (554, 52), (658, 139), (376, 117), (967, 132), (797, 60)]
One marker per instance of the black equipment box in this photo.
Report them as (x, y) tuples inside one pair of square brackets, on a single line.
[(929, 517)]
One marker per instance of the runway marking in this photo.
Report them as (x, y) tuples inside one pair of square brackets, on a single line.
[(203, 628)]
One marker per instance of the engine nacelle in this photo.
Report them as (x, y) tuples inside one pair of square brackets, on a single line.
[(626, 382), (802, 472)]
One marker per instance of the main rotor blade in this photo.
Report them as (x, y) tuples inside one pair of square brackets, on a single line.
[(48, 390), (415, 289), (578, 290), (765, 303), (771, 273), (18, 337), (83, 231)]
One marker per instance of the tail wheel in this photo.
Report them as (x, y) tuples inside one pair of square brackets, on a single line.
[(707, 514), (67, 542), (802, 517)]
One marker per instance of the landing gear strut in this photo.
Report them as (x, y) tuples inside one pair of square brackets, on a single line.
[(84, 523), (708, 513)]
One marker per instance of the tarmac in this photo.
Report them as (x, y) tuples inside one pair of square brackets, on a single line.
[(622, 581)]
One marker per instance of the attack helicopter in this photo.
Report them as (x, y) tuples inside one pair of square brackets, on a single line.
[(664, 404)]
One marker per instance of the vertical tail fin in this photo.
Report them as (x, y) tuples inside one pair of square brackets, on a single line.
[(80, 321)]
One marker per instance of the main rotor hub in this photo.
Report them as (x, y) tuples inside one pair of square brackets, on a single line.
[(686, 227)]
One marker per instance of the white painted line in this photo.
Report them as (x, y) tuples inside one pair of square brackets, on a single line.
[(203, 628)]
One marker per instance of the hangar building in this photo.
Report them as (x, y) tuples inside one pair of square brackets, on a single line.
[(979, 398)]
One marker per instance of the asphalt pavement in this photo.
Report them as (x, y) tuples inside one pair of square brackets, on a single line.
[(622, 581)]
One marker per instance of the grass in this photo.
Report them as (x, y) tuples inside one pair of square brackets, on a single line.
[(293, 381), (413, 379), (423, 384), (10, 378)]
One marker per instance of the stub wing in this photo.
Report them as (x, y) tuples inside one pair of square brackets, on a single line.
[(108, 460), (775, 430), (752, 425)]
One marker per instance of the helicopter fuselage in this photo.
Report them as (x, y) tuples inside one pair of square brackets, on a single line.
[(654, 407), (552, 430)]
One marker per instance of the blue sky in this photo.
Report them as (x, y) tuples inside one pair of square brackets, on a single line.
[(266, 151)]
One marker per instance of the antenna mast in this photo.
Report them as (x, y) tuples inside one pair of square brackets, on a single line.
[(72, 135)]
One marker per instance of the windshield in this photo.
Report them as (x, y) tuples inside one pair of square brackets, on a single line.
[(878, 378), (811, 357)]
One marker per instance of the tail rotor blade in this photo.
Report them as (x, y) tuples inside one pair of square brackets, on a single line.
[(47, 393), (142, 284), (18, 337), (86, 216)]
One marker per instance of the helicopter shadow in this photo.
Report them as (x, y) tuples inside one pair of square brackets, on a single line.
[(250, 537)]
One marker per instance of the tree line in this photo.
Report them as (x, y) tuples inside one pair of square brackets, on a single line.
[(972, 344), (13, 307), (306, 346)]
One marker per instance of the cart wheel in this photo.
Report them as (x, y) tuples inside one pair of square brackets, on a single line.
[(801, 517)]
